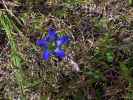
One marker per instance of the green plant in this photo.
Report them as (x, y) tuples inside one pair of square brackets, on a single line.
[(7, 25)]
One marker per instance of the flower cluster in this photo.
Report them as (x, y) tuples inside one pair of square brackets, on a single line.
[(52, 44)]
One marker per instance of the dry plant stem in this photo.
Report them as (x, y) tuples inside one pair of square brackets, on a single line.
[(8, 3), (60, 20), (69, 59), (11, 14), (74, 65)]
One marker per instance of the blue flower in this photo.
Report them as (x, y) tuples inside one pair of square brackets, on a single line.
[(52, 44), (59, 53), (42, 43), (62, 40), (46, 54), (52, 35)]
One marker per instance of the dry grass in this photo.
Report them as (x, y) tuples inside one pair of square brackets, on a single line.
[(101, 47)]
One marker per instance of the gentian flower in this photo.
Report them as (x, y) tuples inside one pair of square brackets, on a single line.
[(52, 44)]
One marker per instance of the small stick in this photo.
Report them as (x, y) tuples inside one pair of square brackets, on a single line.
[(4, 4)]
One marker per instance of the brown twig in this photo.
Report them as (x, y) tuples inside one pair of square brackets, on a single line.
[(10, 12)]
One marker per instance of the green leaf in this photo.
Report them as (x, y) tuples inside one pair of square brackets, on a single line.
[(17, 60), (44, 98), (109, 56), (130, 2), (125, 71)]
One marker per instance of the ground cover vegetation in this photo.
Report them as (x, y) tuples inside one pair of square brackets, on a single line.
[(66, 49)]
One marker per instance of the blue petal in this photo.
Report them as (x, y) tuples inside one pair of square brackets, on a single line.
[(52, 35), (46, 55), (51, 31), (42, 43), (59, 52), (63, 40)]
